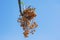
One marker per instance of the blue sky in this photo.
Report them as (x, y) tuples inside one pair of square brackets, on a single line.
[(48, 19)]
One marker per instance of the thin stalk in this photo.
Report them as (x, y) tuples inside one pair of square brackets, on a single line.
[(19, 2)]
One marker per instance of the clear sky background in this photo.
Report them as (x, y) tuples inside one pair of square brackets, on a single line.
[(48, 19)]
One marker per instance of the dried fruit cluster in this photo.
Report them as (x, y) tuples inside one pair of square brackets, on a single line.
[(25, 20)]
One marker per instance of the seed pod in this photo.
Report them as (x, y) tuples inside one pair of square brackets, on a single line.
[(24, 18), (32, 26), (35, 24), (28, 23), (26, 33)]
